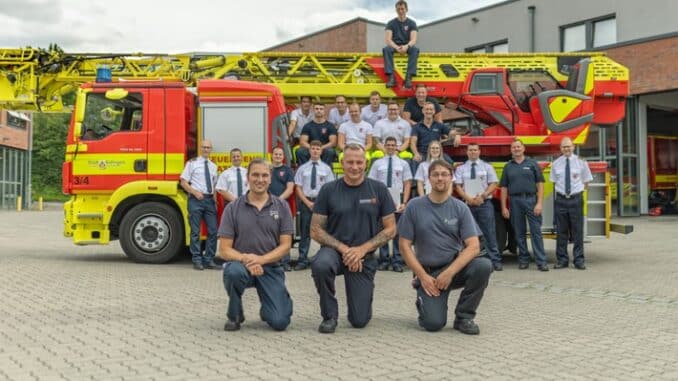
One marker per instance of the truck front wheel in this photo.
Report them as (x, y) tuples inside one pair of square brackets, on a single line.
[(152, 232)]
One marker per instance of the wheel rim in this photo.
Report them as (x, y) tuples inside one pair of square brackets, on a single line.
[(151, 233)]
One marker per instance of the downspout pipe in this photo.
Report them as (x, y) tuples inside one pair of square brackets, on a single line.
[(531, 11)]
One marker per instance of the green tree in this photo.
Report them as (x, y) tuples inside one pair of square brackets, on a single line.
[(49, 146)]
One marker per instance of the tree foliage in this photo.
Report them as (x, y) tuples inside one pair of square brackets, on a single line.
[(49, 146)]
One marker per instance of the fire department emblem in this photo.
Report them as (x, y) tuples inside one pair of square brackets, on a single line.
[(323, 131), (575, 176), (102, 164), (281, 173)]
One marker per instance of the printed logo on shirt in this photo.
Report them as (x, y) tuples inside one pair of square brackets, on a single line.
[(281, 174), (368, 201), (527, 168), (435, 129), (450, 221), (274, 214), (323, 131)]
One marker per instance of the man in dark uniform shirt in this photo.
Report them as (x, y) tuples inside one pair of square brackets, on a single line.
[(319, 129), (352, 217), (401, 35), (282, 186), (523, 182)]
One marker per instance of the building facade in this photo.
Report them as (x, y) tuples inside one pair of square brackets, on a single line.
[(15, 167)]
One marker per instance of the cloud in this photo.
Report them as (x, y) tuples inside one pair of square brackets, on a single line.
[(177, 26), (33, 11)]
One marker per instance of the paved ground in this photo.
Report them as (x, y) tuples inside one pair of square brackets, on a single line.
[(87, 313)]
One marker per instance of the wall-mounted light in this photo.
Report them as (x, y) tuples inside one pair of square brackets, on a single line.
[(475, 19)]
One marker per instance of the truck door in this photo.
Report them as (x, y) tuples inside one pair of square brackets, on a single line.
[(113, 147)]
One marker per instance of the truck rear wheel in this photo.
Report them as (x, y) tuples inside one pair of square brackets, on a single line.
[(152, 232)]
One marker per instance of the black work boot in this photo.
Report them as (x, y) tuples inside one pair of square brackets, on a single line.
[(408, 82), (391, 81)]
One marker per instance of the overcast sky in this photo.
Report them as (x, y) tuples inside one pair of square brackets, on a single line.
[(176, 26)]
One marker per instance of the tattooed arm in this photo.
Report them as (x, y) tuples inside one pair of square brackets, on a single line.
[(385, 235), (320, 235)]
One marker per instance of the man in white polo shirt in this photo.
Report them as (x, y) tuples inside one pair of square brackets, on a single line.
[(232, 182), (355, 131), (392, 125)]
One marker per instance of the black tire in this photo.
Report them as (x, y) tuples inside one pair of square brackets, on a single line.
[(152, 232), (500, 230)]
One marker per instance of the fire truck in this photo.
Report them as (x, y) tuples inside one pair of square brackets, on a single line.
[(138, 118)]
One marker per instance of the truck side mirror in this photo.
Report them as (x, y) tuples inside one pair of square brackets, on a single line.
[(116, 94)]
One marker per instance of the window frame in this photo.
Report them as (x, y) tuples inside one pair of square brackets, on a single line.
[(489, 46), (588, 31)]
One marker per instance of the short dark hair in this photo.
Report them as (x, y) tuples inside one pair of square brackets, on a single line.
[(519, 141), (374, 92), (236, 150), (418, 85), (401, 2), (339, 95), (258, 161), (439, 163), (277, 147), (473, 144), (315, 143), (392, 102), (390, 138), (301, 98), (319, 103)]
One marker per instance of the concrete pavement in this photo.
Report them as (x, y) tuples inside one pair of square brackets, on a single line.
[(73, 312)]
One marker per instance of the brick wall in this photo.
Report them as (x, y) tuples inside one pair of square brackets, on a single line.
[(349, 37), (12, 136), (651, 64)]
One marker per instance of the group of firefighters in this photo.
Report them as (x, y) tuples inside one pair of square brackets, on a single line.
[(361, 210)]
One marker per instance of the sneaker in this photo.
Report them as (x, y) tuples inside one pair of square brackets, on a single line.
[(328, 326), (300, 266), (580, 266), (466, 326), (498, 266), (397, 268), (287, 267), (382, 266), (198, 266), (212, 265), (543, 267), (523, 266)]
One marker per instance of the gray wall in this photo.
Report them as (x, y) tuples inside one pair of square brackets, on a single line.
[(375, 37), (510, 20)]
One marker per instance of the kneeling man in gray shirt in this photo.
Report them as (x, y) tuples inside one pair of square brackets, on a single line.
[(445, 256)]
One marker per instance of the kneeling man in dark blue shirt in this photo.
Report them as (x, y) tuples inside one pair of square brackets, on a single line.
[(446, 242)]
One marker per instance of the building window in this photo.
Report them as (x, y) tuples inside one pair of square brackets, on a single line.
[(491, 47), (17, 119), (588, 34)]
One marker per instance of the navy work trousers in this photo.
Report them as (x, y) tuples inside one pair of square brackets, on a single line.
[(570, 223), (305, 215), (522, 207), (396, 259), (484, 216), (276, 304), (198, 210), (325, 267), (412, 57), (473, 279)]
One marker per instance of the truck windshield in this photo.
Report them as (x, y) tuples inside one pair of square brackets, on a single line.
[(105, 116)]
